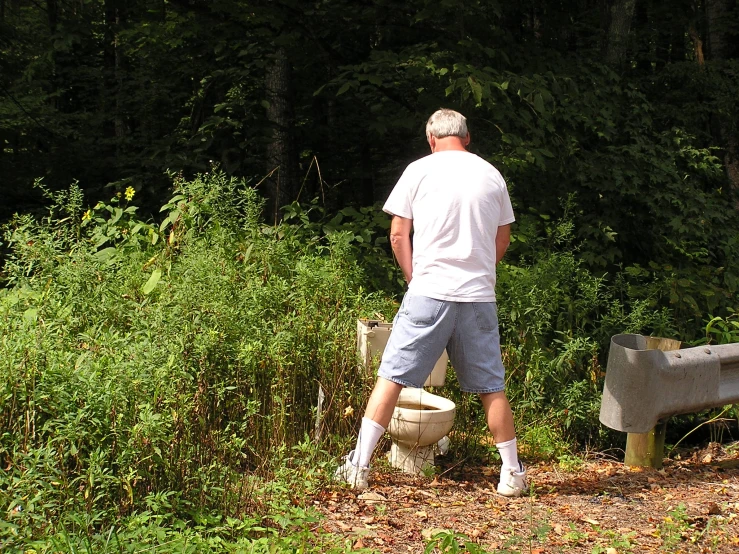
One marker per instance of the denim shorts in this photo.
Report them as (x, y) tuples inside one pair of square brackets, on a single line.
[(424, 327)]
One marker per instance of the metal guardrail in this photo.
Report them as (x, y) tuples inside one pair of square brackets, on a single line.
[(645, 386)]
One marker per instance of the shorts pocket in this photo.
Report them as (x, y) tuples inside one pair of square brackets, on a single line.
[(486, 315), (422, 310)]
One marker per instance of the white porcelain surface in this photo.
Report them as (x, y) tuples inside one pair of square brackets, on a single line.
[(415, 426), (372, 337), (411, 459)]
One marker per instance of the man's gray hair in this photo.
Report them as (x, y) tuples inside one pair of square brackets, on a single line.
[(446, 123)]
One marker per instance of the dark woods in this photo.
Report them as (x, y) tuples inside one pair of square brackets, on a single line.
[(627, 107)]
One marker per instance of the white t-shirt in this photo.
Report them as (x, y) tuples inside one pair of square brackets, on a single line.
[(457, 201)]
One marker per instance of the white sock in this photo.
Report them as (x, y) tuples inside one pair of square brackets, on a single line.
[(509, 454), (369, 435)]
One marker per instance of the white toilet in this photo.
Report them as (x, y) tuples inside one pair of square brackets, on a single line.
[(421, 420)]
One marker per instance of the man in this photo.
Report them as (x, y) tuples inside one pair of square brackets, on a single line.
[(458, 207)]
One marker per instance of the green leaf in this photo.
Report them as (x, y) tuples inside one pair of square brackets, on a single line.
[(476, 90), (116, 216), (31, 315), (319, 90), (152, 282), (346, 86), (539, 104), (105, 254)]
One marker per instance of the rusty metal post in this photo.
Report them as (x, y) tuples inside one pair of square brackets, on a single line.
[(648, 449)]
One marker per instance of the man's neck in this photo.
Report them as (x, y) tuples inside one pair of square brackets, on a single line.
[(448, 143)]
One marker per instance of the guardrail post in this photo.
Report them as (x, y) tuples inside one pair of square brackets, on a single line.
[(649, 380), (648, 449)]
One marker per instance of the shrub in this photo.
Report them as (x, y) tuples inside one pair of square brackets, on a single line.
[(147, 365)]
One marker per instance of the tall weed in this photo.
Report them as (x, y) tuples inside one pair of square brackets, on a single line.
[(148, 366)]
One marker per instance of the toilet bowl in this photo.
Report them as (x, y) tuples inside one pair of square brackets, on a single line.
[(419, 422), (421, 419)]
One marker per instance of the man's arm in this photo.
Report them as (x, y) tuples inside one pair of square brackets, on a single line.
[(502, 240), (400, 241)]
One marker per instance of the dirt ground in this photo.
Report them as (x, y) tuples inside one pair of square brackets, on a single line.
[(691, 505)]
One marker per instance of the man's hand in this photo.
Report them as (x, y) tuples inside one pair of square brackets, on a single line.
[(400, 241), (502, 240)]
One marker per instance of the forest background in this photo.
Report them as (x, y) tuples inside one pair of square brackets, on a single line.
[(196, 189)]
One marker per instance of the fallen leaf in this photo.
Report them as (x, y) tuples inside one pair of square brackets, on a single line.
[(421, 514), (429, 533), (358, 545), (371, 497), (714, 509), (590, 521)]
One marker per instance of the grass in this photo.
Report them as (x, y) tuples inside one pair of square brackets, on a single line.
[(159, 381)]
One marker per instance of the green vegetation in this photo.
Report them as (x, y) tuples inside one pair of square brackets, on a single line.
[(160, 382), (158, 374), (160, 371)]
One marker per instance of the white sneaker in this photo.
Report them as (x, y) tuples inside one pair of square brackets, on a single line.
[(512, 482), (354, 475)]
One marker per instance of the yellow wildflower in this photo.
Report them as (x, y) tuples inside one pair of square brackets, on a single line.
[(87, 216), (129, 193)]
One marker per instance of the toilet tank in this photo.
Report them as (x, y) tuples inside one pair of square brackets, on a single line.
[(372, 337)]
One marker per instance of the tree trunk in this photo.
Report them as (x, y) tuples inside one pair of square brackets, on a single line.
[(697, 45), (115, 14), (52, 11), (718, 13), (281, 154), (619, 15), (644, 50)]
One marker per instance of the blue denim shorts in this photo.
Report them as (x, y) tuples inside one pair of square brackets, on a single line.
[(424, 327)]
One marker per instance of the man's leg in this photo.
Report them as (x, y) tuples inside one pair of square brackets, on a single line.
[(379, 411), (421, 329), (500, 422), (376, 418), (382, 401), (498, 415)]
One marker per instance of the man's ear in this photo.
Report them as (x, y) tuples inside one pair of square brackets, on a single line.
[(432, 142), (466, 140)]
